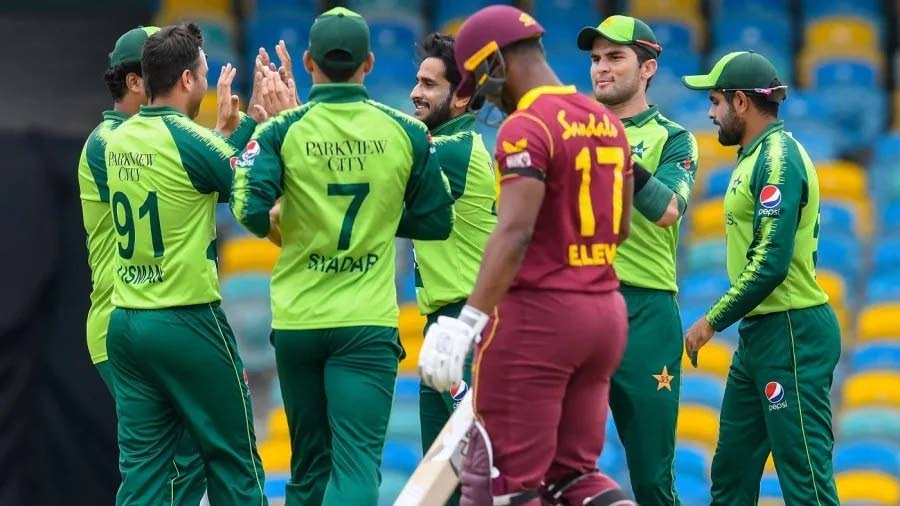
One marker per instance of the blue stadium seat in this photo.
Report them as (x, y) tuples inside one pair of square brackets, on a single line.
[(691, 313), (573, 67), (706, 287), (890, 219), (677, 63), (841, 256), (769, 487), (858, 130), (691, 112), (875, 355), (693, 489), (265, 30), (752, 30), (717, 183), (706, 256), (400, 456), (396, 8), (886, 257), (871, 455), (404, 422), (447, 10), (836, 219), (301, 7), (407, 389), (276, 485), (667, 92), (392, 482), (868, 9), (869, 423), (887, 147), (818, 138), (246, 303), (804, 105), (742, 8), (884, 287), (691, 460), (844, 72), (699, 388), (672, 35), (612, 460), (562, 19)]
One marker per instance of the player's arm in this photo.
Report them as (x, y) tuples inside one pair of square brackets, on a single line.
[(258, 173), (241, 136), (204, 155), (774, 229), (662, 197), (627, 196), (428, 206)]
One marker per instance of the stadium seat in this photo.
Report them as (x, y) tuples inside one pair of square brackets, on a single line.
[(404, 422), (208, 108), (869, 423), (886, 257), (275, 455), (674, 36), (717, 183), (844, 72), (870, 10), (867, 486), (879, 321), (876, 355), (306, 7), (804, 105), (693, 489), (837, 218), (743, 8), (841, 179), (278, 426), (407, 388), (702, 389), (448, 11), (890, 220), (677, 63), (712, 153), (397, 8), (612, 459), (858, 131), (842, 35), (833, 285), (769, 487), (394, 37), (707, 220), (819, 138), (769, 466), (392, 482), (841, 256), (691, 460), (714, 358), (698, 424), (246, 302), (703, 288), (276, 485), (872, 388), (685, 11), (562, 19), (706, 256), (400, 456), (248, 254), (752, 30), (693, 114), (873, 455)]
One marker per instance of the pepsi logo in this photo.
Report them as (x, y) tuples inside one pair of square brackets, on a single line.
[(774, 392), (233, 162), (459, 391), (251, 150), (770, 196)]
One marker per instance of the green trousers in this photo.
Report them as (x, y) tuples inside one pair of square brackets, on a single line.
[(644, 393), (177, 370), (435, 407), (187, 479), (778, 399), (338, 387)]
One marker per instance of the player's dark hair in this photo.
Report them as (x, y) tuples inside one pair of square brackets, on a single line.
[(338, 75), (115, 78), (643, 55), (760, 101), (167, 54), (441, 46)]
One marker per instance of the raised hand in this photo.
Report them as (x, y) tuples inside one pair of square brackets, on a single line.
[(228, 106)]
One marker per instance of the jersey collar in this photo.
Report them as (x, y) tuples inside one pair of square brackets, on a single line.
[(338, 93), (115, 115), (462, 123), (533, 94), (775, 126), (641, 119), (160, 110)]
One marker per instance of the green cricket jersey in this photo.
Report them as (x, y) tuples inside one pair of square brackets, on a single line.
[(348, 168), (669, 152), (446, 270), (772, 230), (165, 175), (101, 236)]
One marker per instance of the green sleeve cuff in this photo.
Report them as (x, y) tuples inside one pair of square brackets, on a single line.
[(241, 136), (653, 199)]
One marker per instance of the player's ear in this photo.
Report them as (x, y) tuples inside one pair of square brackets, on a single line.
[(460, 103), (308, 62), (187, 79), (648, 69), (369, 64), (740, 102), (134, 83)]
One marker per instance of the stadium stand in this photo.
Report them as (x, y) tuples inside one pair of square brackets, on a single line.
[(837, 57)]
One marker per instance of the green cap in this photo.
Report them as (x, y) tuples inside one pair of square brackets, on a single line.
[(128, 47), (620, 30), (339, 39), (741, 70)]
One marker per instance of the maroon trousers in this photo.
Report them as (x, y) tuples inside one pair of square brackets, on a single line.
[(541, 387)]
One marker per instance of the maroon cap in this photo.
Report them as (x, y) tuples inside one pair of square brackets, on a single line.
[(487, 32)]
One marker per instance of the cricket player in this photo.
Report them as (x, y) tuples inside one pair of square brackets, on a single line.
[(558, 323), (645, 389), (174, 357), (446, 270), (125, 83), (346, 168), (777, 396)]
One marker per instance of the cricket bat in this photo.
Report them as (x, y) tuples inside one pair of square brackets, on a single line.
[(437, 476)]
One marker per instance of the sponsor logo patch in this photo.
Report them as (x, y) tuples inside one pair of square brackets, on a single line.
[(519, 160)]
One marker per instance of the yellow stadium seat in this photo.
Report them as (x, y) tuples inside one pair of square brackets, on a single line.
[(770, 502), (842, 33), (879, 321), (707, 220), (699, 424), (248, 254), (411, 325), (278, 426), (685, 11), (207, 115), (842, 180), (833, 285), (714, 358), (276, 456), (212, 7), (452, 26), (412, 346), (867, 486), (713, 154), (770, 464), (872, 388)]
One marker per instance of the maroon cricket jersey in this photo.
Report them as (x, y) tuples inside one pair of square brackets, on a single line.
[(578, 147)]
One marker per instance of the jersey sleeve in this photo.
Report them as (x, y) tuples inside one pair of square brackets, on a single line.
[(94, 160), (428, 205), (259, 171), (524, 148), (204, 156), (241, 136), (781, 190), (678, 165)]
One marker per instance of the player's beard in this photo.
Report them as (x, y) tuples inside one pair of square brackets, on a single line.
[(439, 115), (619, 93), (731, 129)]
